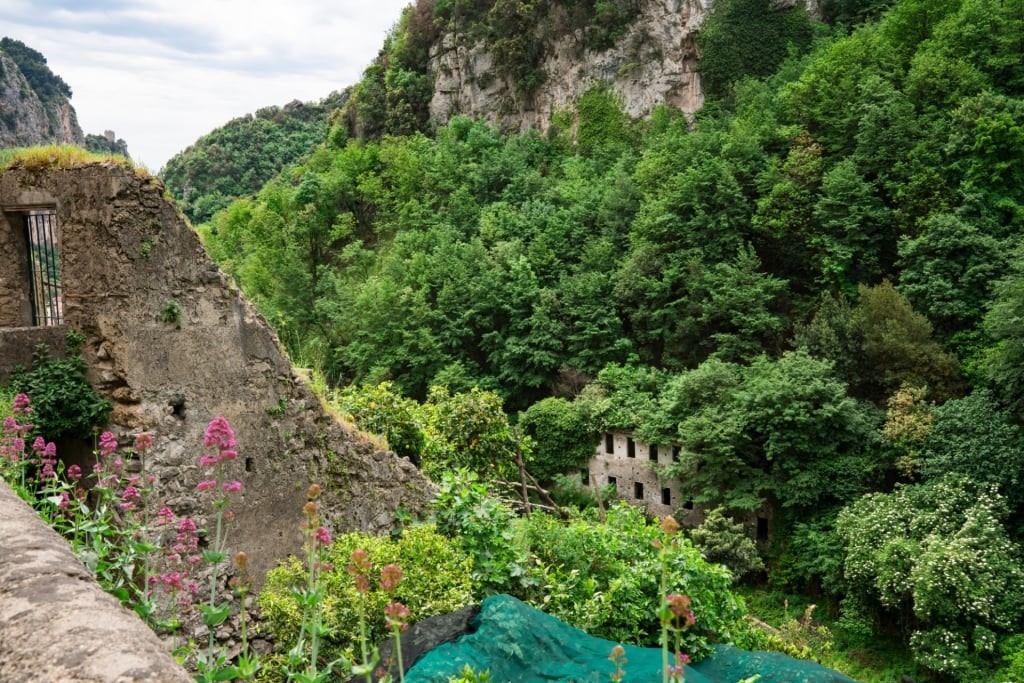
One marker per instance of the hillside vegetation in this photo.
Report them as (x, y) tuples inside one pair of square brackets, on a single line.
[(814, 289)]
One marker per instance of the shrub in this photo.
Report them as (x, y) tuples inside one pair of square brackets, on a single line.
[(436, 581), (62, 398)]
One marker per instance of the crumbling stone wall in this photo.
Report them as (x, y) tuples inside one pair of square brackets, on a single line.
[(56, 623), (174, 344)]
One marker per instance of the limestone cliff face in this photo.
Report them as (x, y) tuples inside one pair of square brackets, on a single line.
[(26, 120), (654, 63)]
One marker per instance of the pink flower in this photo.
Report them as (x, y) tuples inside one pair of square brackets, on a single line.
[(74, 472), (50, 450), (108, 444), (219, 434), (207, 485), (143, 441), (39, 444), (131, 493), (679, 604), (208, 460), (322, 535), (397, 615), (22, 404), (390, 575), (232, 486), (10, 425), (65, 501), (228, 454)]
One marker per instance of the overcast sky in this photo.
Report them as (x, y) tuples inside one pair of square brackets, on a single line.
[(162, 73)]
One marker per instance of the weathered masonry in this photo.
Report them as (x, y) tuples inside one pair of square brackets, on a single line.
[(98, 249), (632, 467)]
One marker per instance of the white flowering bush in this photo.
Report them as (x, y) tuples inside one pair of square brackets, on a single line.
[(937, 558)]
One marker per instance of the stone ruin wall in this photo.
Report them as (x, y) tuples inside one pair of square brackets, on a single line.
[(126, 253)]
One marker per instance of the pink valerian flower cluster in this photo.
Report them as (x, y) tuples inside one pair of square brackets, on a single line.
[(12, 438), (182, 556), (678, 670), (397, 616), (679, 606), (219, 436), (359, 568)]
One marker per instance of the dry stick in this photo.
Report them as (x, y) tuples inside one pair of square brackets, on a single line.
[(522, 474)]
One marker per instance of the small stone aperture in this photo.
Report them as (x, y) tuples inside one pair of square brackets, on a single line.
[(177, 405)]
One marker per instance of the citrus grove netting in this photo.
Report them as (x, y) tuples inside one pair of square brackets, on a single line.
[(518, 643)]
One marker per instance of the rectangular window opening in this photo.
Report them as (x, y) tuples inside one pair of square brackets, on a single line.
[(652, 454), (666, 496), (609, 443), (585, 477), (45, 291), (612, 481), (630, 447), (762, 528), (638, 490)]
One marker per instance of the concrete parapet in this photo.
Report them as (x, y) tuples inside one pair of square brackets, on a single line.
[(56, 623)]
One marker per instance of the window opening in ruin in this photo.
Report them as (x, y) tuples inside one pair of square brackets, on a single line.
[(666, 496), (688, 505), (609, 443), (762, 528), (630, 448), (638, 490), (44, 267), (675, 454), (612, 481), (585, 477), (248, 465), (652, 455)]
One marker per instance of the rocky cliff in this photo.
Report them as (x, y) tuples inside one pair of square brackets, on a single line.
[(653, 63), (26, 118)]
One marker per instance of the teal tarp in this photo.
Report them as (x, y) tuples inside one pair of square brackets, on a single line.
[(519, 644)]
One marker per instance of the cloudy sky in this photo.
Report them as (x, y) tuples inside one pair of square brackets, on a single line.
[(162, 73)]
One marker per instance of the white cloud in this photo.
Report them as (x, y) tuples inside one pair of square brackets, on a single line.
[(162, 73)]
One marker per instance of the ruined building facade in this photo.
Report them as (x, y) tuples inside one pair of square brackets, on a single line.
[(98, 248)]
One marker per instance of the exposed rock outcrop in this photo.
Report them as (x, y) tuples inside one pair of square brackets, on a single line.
[(25, 120), (654, 63)]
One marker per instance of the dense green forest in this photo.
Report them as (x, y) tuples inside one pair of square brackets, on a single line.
[(814, 289), (238, 158)]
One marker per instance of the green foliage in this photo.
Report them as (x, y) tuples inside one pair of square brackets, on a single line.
[(63, 400), (605, 578), (563, 438), (936, 558), (724, 541), (467, 430), (748, 38), (49, 87), (380, 410), (975, 438), (171, 313), (240, 157), (783, 428), (880, 344), (435, 580), (101, 144), (483, 527)]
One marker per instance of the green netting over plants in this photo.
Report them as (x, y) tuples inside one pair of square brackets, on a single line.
[(520, 644)]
